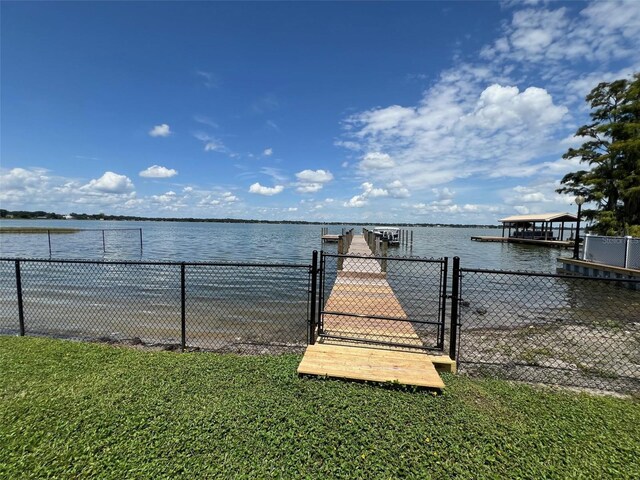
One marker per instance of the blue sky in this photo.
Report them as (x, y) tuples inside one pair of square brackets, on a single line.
[(454, 112)]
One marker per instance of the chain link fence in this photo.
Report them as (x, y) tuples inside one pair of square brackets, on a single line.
[(391, 301), (553, 329), (244, 308), (535, 327)]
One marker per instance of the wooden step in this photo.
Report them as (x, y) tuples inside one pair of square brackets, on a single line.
[(371, 364)]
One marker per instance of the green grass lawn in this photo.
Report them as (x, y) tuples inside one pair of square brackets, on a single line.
[(76, 410)]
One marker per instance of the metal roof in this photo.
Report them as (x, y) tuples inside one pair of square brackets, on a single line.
[(541, 217)]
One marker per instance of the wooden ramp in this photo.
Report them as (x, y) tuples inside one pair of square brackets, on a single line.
[(361, 289), (372, 364)]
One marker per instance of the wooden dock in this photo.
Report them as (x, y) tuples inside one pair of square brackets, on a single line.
[(329, 238), (526, 241), (361, 289)]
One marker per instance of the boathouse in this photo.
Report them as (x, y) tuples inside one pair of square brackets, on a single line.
[(538, 226)]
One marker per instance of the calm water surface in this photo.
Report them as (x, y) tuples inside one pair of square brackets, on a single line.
[(182, 241)]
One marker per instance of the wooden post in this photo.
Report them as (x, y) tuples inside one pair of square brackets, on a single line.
[(340, 251), (383, 263), (411, 237)]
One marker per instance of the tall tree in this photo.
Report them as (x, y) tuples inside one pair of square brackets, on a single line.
[(612, 151)]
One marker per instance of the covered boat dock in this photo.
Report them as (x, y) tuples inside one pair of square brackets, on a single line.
[(547, 229)]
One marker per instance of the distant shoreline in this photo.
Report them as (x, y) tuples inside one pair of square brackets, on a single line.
[(40, 215)]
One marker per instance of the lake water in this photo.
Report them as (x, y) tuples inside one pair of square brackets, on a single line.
[(245, 242)]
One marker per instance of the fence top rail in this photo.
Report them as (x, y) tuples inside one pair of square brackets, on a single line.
[(156, 263), (373, 257), (548, 275), (105, 229)]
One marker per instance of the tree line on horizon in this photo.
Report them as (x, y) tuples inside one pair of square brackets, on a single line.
[(42, 215)]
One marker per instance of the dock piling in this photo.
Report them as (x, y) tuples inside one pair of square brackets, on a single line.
[(383, 262)]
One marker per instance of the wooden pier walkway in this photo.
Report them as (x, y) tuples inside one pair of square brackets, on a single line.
[(361, 289)]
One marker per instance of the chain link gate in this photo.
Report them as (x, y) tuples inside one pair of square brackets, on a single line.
[(391, 301)]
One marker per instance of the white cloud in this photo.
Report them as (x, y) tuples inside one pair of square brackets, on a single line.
[(156, 171), (309, 188), (268, 191), (503, 107), (311, 181), (443, 193), (376, 160), (38, 189), (21, 179), (267, 152), (398, 190), (368, 191), (459, 130), (274, 173), (110, 182), (356, 201), (504, 116), (205, 121), (209, 80), (228, 197), (162, 130), (603, 31), (315, 176), (211, 144), (168, 197)]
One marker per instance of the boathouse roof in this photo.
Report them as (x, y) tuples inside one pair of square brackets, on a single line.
[(541, 217)]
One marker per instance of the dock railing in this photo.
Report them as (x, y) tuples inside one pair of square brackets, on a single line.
[(615, 251)]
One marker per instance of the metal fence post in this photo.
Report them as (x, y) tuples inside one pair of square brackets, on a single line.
[(183, 313), (20, 304), (443, 313), (312, 309), (455, 293), (321, 291)]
